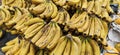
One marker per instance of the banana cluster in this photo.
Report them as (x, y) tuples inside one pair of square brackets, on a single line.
[(18, 47), (73, 45), (89, 26), (16, 3)]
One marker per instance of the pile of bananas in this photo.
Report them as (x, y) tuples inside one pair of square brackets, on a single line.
[(18, 47), (65, 27), (18, 3), (73, 45)]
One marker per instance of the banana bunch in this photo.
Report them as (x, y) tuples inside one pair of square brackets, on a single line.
[(15, 3), (18, 47), (62, 17), (89, 25), (47, 9), (73, 45), (1, 33), (48, 36)]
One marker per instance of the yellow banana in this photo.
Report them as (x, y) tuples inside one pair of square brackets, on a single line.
[(57, 36), (78, 42), (67, 48), (55, 12), (74, 48), (6, 48), (12, 42), (61, 47), (32, 50), (67, 17), (8, 15), (61, 18), (48, 38), (85, 26), (25, 48), (48, 11), (97, 27), (61, 44), (88, 48), (14, 49), (83, 48), (92, 27), (97, 8), (37, 1), (56, 18), (84, 4), (44, 30), (36, 9), (33, 21), (43, 36), (61, 2), (71, 2), (90, 7), (31, 34), (32, 27), (95, 47)]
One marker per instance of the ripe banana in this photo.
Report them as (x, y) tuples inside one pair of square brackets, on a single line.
[(57, 36), (95, 47)]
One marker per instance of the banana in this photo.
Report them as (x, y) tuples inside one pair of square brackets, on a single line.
[(6, 48), (48, 11), (78, 22), (67, 17), (67, 48), (105, 31), (55, 12), (75, 15), (43, 31), (97, 27), (78, 42), (36, 9), (16, 17), (92, 30), (105, 2), (90, 7), (61, 2), (48, 38), (88, 48), (97, 7), (44, 35), (56, 18), (37, 1), (109, 9), (14, 49), (74, 48), (8, 15), (85, 26), (71, 2), (32, 50), (83, 48), (31, 28), (95, 47), (61, 44), (12, 42), (24, 17), (31, 34), (25, 48), (24, 29), (3, 2), (1, 33), (57, 36), (23, 4), (61, 18), (3, 16), (84, 4), (33, 21), (61, 47)]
